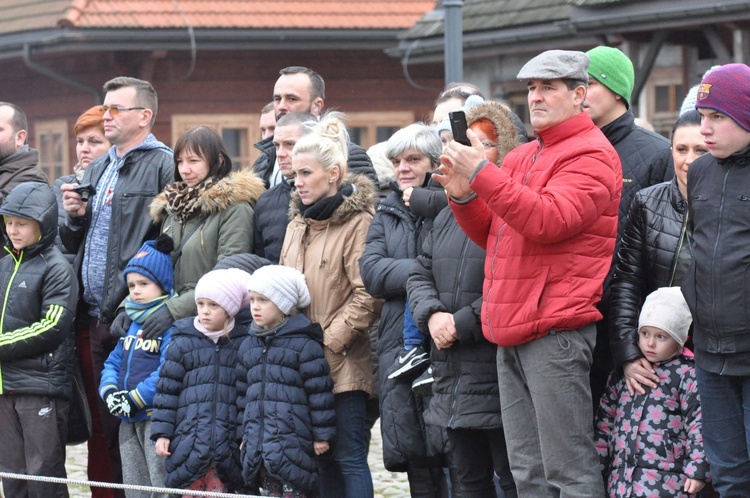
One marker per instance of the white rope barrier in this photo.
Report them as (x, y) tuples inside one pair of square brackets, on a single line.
[(112, 485)]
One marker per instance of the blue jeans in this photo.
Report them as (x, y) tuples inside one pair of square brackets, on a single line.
[(412, 335), (346, 461), (725, 402), (546, 405)]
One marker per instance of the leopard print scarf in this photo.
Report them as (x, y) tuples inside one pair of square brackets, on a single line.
[(184, 202)]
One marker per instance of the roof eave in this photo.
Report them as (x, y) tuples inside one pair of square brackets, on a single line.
[(135, 39)]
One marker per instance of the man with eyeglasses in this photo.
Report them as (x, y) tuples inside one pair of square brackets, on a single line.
[(107, 230), (18, 163)]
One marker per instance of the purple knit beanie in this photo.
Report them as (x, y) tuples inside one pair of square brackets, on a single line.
[(727, 90)]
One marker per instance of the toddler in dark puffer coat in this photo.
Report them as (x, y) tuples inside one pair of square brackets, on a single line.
[(284, 387), (195, 424)]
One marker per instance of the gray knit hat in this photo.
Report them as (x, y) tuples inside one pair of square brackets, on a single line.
[(554, 64), (666, 309), (283, 285)]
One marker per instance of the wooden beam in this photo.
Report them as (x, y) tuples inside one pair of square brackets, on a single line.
[(741, 39), (717, 44), (643, 71)]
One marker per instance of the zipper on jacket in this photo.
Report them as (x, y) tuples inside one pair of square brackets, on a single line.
[(716, 248), (679, 247), (17, 263), (457, 285), (217, 351), (263, 361), (539, 150)]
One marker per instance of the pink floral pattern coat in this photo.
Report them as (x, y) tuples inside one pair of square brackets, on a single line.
[(649, 444)]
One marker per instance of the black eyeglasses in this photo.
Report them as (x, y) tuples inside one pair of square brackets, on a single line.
[(114, 110)]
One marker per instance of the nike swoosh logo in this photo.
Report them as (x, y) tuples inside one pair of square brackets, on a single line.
[(402, 360), (44, 411)]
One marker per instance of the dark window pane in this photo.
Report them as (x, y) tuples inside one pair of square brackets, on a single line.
[(662, 103), (385, 132), (355, 135)]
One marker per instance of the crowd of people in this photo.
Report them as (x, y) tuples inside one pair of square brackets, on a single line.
[(550, 316)]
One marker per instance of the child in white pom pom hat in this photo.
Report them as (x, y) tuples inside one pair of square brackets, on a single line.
[(196, 421), (284, 387), (651, 444)]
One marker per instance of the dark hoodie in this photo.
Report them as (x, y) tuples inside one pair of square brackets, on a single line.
[(286, 394), (39, 291)]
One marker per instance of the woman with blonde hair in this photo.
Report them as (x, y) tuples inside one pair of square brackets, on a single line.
[(331, 212)]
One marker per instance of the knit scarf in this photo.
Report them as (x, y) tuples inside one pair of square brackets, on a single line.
[(139, 312), (214, 335), (262, 333), (325, 207), (184, 201)]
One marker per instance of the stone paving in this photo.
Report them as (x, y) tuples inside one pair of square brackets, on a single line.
[(387, 484)]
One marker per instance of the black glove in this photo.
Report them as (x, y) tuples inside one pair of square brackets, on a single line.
[(124, 406), (158, 323), (111, 400), (120, 325)]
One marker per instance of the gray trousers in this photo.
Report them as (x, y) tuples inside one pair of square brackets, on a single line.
[(140, 463), (33, 429), (547, 415)]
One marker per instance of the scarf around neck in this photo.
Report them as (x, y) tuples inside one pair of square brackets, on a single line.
[(211, 334), (139, 312), (184, 201), (262, 333), (325, 207)]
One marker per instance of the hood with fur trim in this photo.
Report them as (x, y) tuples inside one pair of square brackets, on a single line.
[(364, 199), (501, 117), (238, 187)]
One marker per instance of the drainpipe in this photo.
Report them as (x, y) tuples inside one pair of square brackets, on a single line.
[(454, 56), (50, 73)]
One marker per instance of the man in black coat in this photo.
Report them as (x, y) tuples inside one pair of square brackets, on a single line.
[(646, 160), (301, 89)]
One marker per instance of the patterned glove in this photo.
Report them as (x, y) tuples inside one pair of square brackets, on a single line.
[(120, 325), (110, 399), (125, 406), (158, 323)]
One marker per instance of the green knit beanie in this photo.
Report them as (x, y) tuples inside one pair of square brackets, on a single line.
[(610, 67)]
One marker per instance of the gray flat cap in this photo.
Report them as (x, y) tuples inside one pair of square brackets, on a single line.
[(554, 64)]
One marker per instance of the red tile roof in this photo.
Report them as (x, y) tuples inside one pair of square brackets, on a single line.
[(256, 14)]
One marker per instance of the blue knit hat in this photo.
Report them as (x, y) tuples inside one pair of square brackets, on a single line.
[(154, 261)]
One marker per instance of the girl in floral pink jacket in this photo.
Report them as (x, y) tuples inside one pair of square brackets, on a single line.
[(651, 444)]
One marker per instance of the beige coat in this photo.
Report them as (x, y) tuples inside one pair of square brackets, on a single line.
[(328, 252)]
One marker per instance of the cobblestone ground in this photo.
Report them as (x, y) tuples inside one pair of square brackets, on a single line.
[(387, 484)]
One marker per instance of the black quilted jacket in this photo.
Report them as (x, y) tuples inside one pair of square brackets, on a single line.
[(655, 233)]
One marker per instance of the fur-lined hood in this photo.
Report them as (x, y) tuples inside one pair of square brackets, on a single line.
[(500, 116), (238, 187), (363, 199)]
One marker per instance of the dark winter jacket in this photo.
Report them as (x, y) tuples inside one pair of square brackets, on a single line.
[(270, 220), (716, 286), (134, 366), (447, 277), (285, 396), (196, 406), (393, 242), (357, 162), (649, 444), (143, 175), (39, 290), (645, 156), (654, 252), (20, 167)]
